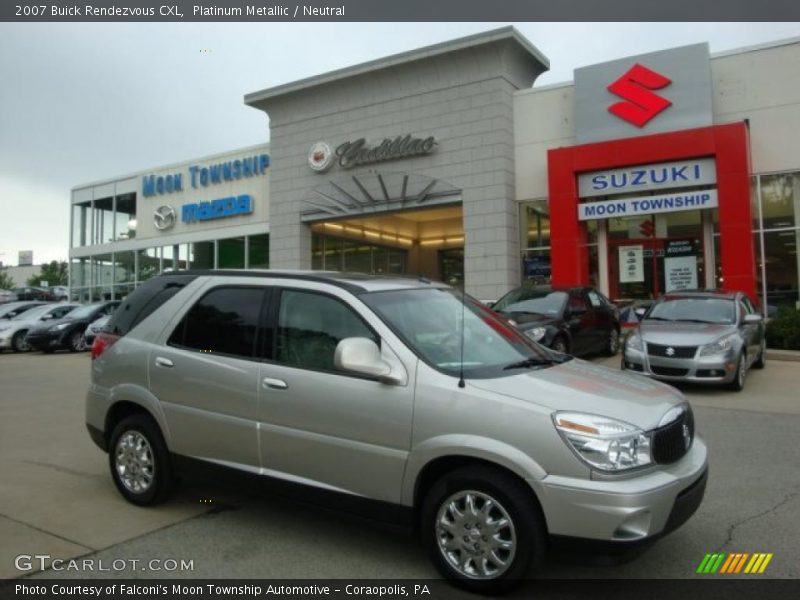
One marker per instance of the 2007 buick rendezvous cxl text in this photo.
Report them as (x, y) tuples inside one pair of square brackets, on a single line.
[(397, 391)]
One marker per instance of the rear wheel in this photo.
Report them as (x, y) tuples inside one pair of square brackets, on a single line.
[(139, 461), (18, 343), (482, 529), (612, 344)]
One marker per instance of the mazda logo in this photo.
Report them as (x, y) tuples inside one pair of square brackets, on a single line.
[(164, 217), (670, 351)]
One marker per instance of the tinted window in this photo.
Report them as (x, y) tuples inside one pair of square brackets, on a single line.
[(224, 321), (595, 299), (310, 326), (146, 299), (577, 301)]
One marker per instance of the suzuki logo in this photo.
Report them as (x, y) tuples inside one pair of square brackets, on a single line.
[(634, 87), (670, 351)]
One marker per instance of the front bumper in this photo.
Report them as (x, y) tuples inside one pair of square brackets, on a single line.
[(45, 340), (717, 369), (625, 510)]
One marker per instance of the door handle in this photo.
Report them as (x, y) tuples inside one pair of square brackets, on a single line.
[(274, 384), (164, 362)]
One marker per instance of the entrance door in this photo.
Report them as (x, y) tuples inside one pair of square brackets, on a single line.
[(647, 268)]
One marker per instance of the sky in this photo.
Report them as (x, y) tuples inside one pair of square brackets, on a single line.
[(81, 102)]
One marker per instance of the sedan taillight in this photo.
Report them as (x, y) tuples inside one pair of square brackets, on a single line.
[(102, 342)]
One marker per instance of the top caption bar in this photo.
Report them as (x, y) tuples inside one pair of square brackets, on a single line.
[(399, 10)]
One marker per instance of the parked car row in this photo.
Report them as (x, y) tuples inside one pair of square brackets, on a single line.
[(49, 326)]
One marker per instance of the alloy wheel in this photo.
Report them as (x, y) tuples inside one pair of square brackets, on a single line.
[(476, 535), (134, 462)]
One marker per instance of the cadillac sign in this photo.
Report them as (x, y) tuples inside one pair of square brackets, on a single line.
[(358, 152)]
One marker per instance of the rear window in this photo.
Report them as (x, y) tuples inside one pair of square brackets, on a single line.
[(144, 300)]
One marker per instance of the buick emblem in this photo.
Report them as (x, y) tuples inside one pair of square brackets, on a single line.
[(670, 351), (687, 436), (164, 217), (320, 157)]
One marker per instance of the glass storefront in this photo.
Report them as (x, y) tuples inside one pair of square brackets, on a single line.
[(330, 253), (115, 275)]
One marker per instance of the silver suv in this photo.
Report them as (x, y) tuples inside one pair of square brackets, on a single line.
[(393, 390)]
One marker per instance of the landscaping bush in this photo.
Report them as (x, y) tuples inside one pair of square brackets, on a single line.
[(784, 330)]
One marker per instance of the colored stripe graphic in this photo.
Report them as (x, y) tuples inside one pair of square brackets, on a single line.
[(735, 563)]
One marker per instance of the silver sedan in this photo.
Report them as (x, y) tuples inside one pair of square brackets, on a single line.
[(707, 337)]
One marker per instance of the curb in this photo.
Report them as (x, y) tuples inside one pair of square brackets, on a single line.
[(783, 355)]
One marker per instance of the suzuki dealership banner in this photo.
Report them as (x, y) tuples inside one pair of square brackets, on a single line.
[(647, 205)]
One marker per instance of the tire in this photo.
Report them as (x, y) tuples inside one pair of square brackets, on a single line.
[(761, 359), (737, 385), (505, 564), (559, 344), (18, 343), (139, 461), (612, 344), (77, 342)]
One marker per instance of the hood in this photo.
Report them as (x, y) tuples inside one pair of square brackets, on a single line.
[(531, 319), (580, 386), (683, 333), (48, 324)]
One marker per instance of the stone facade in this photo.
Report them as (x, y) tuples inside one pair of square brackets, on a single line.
[(461, 93)]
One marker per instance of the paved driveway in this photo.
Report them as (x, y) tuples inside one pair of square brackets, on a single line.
[(56, 496)]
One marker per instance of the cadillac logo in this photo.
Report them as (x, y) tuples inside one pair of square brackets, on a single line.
[(670, 351), (164, 217), (320, 157)]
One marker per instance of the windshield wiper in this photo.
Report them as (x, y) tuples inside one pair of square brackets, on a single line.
[(657, 319), (537, 362), (700, 321)]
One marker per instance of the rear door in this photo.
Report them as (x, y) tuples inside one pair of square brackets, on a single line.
[(580, 320), (322, 426), (206, 376)]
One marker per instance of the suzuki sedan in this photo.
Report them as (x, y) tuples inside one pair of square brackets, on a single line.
[(704, 337)]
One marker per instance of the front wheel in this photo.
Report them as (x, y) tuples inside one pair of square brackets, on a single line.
[(761, 359), (18, 343), (139, 461), (737, 385), (482, 529), (77, 342)]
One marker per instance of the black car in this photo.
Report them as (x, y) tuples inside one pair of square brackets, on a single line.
[(576, 320), (34, 293), (67, 333)]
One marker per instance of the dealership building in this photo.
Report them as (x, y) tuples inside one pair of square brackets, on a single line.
[(652, 173)]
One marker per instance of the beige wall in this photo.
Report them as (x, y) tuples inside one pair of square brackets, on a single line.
[(757, 84)]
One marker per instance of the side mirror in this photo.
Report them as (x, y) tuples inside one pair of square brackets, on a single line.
[(362, 355), (752, 318)]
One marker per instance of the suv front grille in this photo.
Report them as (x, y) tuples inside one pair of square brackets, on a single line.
[(672, 441), (671, 351)]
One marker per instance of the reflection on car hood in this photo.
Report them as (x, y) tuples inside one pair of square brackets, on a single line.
[(580, 386), (531, 319), (48, 324), (682, 333)]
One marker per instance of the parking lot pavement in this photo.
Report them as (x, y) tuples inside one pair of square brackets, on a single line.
[(57, 498)]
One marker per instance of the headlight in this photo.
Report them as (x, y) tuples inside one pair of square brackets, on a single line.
[(536, 334), (635, 342), (604, 443), (719, 347), (60, 327)]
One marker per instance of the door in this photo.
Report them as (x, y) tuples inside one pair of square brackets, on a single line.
[(581, 322), (322, 426), (206, 377)]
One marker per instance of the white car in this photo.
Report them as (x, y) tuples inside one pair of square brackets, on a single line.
[(13, 331)]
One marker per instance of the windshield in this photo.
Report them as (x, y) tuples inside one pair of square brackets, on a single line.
[(532, 301), (33, 313), (429, 321), (697, 309), (82, 311)]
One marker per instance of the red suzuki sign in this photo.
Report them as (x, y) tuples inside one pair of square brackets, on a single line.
[(641, 103)]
